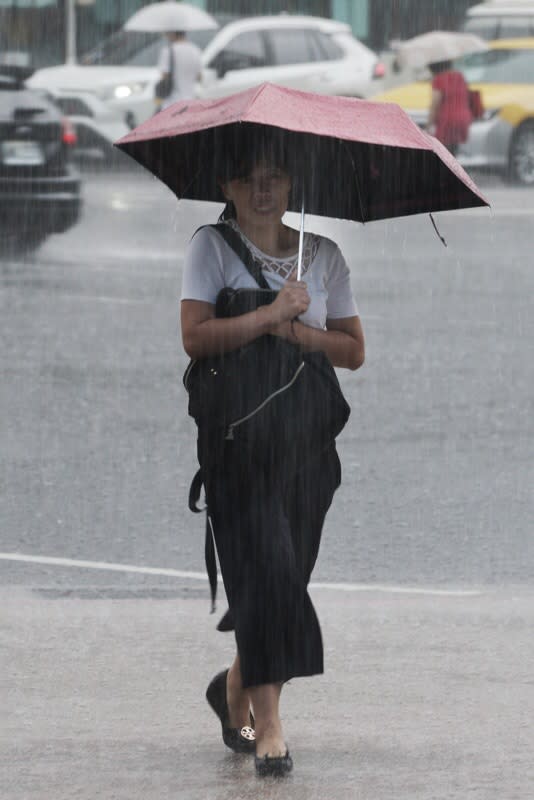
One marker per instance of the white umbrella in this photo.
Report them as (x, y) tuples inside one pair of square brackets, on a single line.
[(428, 48), (170, 16)]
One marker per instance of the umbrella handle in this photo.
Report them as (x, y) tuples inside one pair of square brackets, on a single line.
[(301, 243)]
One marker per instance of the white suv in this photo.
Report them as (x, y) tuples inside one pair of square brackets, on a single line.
[(309, 53)]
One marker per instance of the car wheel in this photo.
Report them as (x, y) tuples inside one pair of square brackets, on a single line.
[(521, 162), (68, 219), (27, 241)]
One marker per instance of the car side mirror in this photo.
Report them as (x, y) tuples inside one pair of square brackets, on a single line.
[(221, 68)]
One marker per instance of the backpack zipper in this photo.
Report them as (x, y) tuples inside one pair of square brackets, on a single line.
[(230, 432)]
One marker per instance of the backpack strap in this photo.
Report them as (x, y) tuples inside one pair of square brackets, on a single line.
[(171, 66), (234, 240)]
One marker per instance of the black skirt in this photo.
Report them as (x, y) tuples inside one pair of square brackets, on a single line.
[(267, 525)]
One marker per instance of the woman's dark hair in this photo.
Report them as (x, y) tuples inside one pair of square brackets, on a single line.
[(244, 149), (228, 212), (440, 66)]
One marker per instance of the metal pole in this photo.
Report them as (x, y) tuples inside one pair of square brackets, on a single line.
[(70, 32)]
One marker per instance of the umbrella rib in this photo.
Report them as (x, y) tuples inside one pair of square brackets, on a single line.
[(356, 179), (191, 182)]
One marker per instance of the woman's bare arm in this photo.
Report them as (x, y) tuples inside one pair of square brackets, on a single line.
[(204, 335), (342, 341), (434, 107)]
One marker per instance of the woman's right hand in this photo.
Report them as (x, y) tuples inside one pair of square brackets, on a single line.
[(293, 299)]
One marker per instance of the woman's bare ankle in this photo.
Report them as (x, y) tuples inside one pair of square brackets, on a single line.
[(270, 739), (237, 698)]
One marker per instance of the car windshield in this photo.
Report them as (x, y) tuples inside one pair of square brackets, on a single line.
[(130, 48), (498, 66), (13, 77)]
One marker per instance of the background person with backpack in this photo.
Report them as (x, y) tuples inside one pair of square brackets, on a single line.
[(450, 112), (266, 505), (180, 64)]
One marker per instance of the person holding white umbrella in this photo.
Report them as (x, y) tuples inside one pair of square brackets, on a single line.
[(450, 112), (180, 62)]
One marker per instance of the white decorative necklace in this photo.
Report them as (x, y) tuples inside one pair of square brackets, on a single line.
[(281, 266)]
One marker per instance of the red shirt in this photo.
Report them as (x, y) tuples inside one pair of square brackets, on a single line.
[(454, 115)]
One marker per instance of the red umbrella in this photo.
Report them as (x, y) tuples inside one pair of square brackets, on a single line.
[(357, 160)]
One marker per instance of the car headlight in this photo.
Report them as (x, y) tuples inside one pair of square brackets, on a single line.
[(121, 91)]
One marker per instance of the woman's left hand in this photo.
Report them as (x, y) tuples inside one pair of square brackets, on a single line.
[(285, 331)]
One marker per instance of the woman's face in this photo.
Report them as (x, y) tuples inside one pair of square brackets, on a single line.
[(261, 197)]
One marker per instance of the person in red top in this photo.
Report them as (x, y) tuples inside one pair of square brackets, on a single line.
[(450, 113)]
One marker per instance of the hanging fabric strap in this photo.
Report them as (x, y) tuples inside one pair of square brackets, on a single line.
[(209, 544), (194, 493), (438, 234)]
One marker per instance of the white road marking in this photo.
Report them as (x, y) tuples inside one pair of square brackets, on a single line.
[(201, 576), (105, 565), (390, 589)]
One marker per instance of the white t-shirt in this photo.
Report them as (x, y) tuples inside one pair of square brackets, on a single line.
[(210, 264), (187, 65)]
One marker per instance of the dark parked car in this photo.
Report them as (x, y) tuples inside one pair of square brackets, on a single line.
[(39, 188)]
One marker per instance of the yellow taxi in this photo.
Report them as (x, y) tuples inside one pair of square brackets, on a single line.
[(503, 138)]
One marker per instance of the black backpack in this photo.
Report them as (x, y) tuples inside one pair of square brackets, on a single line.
[(270, 397), (267, 387)]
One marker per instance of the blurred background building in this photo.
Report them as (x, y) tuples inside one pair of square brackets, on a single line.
[(53, 31), (375, 22)]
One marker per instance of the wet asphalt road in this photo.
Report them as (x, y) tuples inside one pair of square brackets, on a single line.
[(426, 696), (98, 451), (423, 698)]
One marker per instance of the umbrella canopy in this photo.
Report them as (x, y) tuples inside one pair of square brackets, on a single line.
[(170, 16), (352, 159), (435, 46)]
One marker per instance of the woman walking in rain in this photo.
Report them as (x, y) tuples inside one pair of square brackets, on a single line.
[(266, 513), (180, 62), (450, 112)]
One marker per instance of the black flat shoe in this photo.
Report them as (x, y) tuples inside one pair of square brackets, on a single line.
[(273, 766), (240, 740)]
